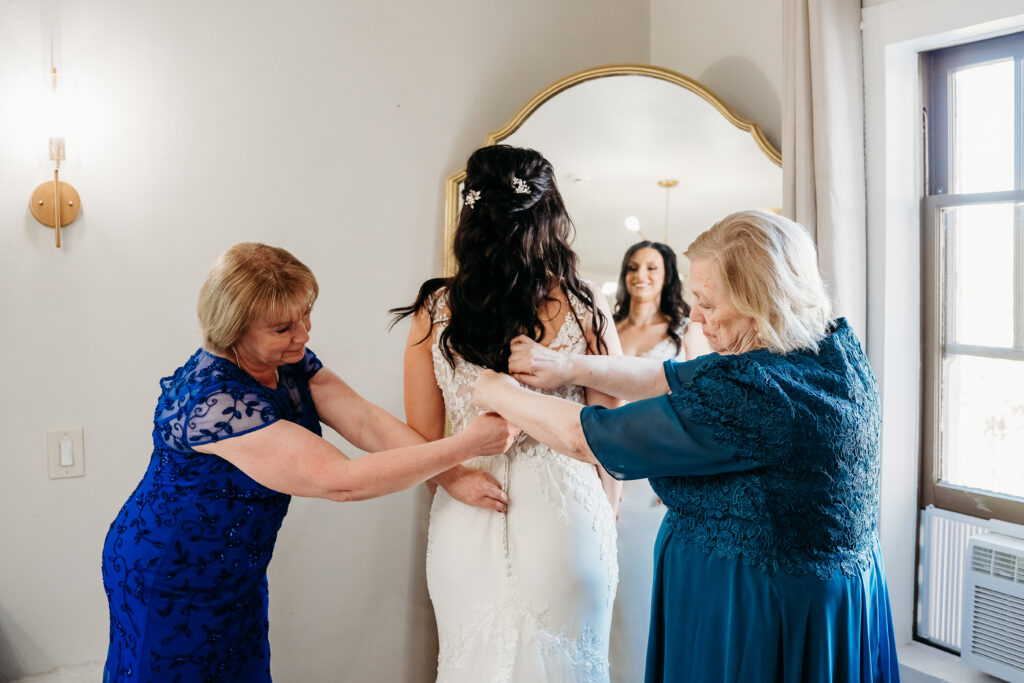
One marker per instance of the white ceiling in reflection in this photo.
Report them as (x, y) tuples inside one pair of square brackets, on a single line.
[(612, 139)]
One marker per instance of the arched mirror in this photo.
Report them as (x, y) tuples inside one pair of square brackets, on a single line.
[(615, 134)]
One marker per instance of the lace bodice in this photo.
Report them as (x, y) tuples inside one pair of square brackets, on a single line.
[(457, 383), (666, 348)]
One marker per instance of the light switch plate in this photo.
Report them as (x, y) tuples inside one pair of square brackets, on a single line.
[(53, 466)]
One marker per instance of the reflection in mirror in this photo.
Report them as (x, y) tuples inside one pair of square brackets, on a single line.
[(615, 134)]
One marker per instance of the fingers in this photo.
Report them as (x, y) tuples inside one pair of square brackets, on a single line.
[(498, 495), (491, 487), (511, 430), (519, 355), (479, 489), (495, 497), (492, 499), (493, 504), (490, 494), (527, 378)]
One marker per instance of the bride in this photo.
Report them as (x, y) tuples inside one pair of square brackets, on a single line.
[(521, 557)]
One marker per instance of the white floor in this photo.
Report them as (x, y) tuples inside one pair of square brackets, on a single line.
[(91, 672), (918, 664)]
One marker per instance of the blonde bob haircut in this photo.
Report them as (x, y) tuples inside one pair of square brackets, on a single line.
[(249, 283), (770, 269)]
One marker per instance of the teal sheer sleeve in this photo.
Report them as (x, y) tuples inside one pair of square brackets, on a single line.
[(663, 436), (647, 439)]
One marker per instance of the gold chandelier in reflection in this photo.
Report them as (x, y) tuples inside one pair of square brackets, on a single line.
[(668, 184)]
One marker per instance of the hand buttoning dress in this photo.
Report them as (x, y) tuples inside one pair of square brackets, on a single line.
[(525, 596)]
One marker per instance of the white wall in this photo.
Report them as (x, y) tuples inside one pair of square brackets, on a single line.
[(324, 127), (734, 47)]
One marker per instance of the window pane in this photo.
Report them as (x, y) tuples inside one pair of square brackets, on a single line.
[(981, 239), (984, 424), (983, 128)]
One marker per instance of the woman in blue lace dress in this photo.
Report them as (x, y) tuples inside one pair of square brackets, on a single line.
[(236, 433), (767, 565)]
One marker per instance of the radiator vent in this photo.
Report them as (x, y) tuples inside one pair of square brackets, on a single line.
[(998, 623), (997, 563), (944, 539), (994, 606)]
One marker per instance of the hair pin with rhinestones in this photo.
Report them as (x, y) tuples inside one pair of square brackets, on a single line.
[(520, 186), (471, 197)]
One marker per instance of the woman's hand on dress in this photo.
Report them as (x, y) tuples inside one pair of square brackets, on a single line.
[(473, 487), (538, 366), (488, 434)]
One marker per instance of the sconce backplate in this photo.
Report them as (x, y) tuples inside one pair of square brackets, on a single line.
[(41, 204)]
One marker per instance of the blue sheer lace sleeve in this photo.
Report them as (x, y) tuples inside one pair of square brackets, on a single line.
[(310, 364), (225, 410)]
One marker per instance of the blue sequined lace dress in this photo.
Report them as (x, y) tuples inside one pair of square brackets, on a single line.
[(184, 562), (767, 565)]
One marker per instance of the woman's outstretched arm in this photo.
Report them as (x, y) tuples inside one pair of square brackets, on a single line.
[(553, 421), (624, 377), (362, 423), (366, 425), (291, 459)]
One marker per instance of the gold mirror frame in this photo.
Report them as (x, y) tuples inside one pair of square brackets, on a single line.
[(451, 207)]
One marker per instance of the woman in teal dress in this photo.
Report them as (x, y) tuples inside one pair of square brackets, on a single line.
[(766, 453), (236, 433)]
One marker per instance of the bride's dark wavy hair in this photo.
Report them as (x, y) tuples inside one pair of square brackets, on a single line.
[(671, 304), (511, 249)]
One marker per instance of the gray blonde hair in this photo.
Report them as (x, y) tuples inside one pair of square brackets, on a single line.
[(248, 283), (770, 269)]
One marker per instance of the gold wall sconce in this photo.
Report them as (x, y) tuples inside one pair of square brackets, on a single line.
[(55, 204)]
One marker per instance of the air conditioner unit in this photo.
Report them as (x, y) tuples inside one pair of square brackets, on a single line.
[(993, 621)]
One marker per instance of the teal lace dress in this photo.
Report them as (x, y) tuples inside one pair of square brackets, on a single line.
[(767, 564), (185, 561)]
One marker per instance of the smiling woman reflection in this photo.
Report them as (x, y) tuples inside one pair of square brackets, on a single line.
[(768, 566), (235, 433), (650, 315), (653, 321)]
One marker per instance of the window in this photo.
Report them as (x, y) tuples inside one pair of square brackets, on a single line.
[(973, 280)]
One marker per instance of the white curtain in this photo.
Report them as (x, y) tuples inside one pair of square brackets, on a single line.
[(823, 143)]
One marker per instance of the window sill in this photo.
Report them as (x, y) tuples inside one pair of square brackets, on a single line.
[(920, 663)]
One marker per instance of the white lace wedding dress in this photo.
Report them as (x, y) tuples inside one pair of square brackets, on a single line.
[(525, 596)]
